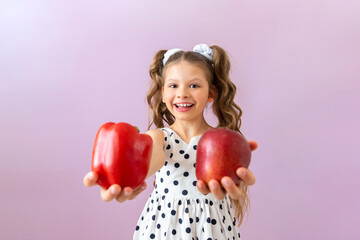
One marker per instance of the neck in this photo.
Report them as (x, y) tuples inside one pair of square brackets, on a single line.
[(188, 129)]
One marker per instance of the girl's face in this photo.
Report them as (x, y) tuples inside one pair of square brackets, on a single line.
[(185, 91)]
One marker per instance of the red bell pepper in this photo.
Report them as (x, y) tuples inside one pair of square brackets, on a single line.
[(121, 155)]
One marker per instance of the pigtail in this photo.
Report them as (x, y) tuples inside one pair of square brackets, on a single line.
[(154, 96), (224, 107), (229, 116)]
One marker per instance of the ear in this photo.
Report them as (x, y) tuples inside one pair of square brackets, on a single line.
[(212, 95)]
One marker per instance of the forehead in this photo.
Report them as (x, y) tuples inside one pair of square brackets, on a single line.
[(184, 71)]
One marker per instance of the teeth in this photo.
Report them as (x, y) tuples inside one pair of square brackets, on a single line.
[(183, 105)]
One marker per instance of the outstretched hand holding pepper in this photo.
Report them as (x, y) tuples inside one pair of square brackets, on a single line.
[(114, 191), (120, 161)]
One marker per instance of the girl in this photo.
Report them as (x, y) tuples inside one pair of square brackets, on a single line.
[(180, 207)]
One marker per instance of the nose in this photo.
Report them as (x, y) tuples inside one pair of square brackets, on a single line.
[(182, 92)]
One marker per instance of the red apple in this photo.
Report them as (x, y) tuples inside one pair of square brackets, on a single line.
[(121, 155), (219, 153)]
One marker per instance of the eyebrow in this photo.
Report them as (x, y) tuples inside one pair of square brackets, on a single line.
[(194, 79), (176, 80)]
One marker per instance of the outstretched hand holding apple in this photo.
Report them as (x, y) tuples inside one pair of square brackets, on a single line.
[(220, 169), (226, 184)]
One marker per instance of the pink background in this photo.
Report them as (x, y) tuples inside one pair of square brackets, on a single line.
[(66, 67)]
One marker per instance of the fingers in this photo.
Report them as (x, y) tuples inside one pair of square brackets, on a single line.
[(216, 189), (246, 175), (124, 194), (202, 187), (135, 193), (90, 179), (253, 145), (115, 192), (227, 185), (231, 188), (110, 193), (129, 194)]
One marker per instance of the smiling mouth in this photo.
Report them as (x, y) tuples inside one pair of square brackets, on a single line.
[(183, 105)]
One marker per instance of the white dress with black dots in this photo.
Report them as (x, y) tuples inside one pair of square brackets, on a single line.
[(176, 209)]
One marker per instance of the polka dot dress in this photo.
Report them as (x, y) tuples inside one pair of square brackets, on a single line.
[(176, 209)]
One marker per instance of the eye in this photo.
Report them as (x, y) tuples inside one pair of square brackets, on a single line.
[(194, 86), (172, 85)]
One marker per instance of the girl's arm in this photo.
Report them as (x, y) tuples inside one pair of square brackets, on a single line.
[(121, 195), (158, 154)]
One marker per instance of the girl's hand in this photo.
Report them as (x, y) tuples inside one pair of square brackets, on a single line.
[(227, 184), (114, 191)]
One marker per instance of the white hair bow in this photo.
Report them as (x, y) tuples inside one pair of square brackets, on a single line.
[(203, 49)]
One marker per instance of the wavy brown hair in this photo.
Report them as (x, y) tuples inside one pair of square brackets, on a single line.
[(224, 107)]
